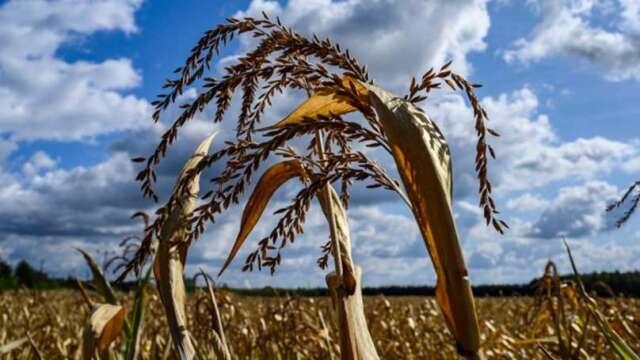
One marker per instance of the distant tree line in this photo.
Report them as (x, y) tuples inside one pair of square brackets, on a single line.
[(25, 275), (602, 283)]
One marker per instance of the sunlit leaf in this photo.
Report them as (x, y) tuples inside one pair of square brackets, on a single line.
[(423, 161), (269, 182), (325, 102), (169, 262)]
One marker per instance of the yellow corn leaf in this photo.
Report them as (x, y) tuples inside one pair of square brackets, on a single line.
[(269, 182), (326, 102), (168, 266), (102, 328), (423, 161)]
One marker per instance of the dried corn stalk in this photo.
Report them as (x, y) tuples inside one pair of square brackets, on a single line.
[(220, 346), (102, 328), (168, 266), (346, 290)]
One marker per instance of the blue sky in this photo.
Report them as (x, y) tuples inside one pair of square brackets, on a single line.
[(560, 79)]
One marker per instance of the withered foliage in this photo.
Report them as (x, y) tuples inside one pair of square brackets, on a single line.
[(285, 327), (284, 59)]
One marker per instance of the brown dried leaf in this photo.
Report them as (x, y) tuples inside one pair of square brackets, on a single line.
[(269, 182), (422, 157), (326, 102), (168, 266), (102, 328)]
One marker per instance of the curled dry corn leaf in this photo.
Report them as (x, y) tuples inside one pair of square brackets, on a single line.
[(269, 182), (102, 328), (274, 177), (168, 266), (325, 102), (424, 163)]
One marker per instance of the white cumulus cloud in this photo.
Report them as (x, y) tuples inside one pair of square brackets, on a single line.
[(396, 39), (42, 96), (568, 28)]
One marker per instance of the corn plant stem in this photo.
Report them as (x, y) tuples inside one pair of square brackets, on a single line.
[(216, 318), (337, 256)]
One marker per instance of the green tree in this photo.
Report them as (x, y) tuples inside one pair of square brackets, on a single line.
[(5, 270), (27, 275)]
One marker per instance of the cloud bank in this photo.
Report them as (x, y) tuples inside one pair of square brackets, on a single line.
[(547, 185)]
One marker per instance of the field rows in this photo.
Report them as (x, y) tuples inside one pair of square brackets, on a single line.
[(302, 328)]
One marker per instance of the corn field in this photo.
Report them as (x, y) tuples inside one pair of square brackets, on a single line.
[(302, 328)]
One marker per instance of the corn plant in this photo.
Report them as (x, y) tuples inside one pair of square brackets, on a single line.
[(170, 258), (109, 318), (284, 59), (566, 322), (618, 346)]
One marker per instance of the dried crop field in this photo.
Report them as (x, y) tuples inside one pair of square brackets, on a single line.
[(302, 328)]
